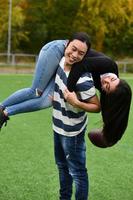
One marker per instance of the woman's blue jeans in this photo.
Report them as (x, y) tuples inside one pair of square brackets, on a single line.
[(70, 157), (37, 97)]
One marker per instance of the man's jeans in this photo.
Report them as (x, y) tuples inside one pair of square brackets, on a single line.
[(27, 99), (70, 157)]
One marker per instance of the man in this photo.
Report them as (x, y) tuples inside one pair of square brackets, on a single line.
[(70, 121)]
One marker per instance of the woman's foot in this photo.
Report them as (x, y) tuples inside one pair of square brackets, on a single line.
[(3, 118)]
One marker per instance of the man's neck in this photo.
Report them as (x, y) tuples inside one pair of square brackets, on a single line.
[(67, 67)]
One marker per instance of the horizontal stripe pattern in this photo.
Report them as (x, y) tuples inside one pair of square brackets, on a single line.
[(68, 120)]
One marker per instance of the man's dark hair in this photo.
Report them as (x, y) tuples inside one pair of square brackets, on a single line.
[(83, 37)]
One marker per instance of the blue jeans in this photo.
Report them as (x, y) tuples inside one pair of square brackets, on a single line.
[(36, 97), (70, 157)]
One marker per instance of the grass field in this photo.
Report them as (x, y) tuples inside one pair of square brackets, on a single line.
[(27, 167)]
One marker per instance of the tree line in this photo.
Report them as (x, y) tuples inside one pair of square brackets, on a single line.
[(34, 23)]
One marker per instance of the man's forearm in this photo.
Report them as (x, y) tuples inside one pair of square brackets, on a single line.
[(88, 107)]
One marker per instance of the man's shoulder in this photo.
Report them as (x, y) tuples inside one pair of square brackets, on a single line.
[(87, 76), (85, 82)]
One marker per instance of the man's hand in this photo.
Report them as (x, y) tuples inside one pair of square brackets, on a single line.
[(71, 97), (92, 105)]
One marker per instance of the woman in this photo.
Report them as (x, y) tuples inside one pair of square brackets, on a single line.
[(115, 104)]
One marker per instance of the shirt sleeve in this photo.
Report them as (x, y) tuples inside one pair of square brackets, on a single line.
[(85, 87)]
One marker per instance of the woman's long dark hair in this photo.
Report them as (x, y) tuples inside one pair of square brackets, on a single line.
[(115, 109), (115, 112)]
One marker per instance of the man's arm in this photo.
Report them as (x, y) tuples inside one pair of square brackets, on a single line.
[(91, 105)]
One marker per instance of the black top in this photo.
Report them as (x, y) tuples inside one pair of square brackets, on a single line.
[(95, 62)]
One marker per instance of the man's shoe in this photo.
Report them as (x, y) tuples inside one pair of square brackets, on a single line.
[(3, 119)]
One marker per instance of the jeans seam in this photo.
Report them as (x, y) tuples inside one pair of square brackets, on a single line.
[(75, 145)]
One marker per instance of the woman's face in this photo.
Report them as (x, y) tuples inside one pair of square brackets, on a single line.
[(109, 82), (75, 51)]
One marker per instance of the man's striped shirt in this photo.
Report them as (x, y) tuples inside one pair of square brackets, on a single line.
[(68, 120)]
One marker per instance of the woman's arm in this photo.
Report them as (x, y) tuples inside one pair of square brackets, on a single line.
[(99, 65)]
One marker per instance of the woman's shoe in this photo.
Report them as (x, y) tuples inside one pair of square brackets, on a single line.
[(3, 119)]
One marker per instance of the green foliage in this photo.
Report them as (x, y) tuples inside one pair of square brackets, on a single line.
[(17, 20), (60, 17), (109, 23), (35, 26), (3, 24)]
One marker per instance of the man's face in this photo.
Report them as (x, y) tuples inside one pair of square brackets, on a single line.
[(109, 82), (75, 51)]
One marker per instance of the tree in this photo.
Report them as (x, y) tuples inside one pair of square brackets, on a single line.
[(109, 23), (59, 18), (17, 32), (3, 24), (105, 21), (120, 29), (18, 19), (35, 26)]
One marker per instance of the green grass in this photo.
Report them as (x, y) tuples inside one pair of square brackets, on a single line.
[(27, 167)]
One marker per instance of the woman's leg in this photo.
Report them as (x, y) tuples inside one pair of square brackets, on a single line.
[(31, 105), (18, 97), (96, 65), (46, 66)]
